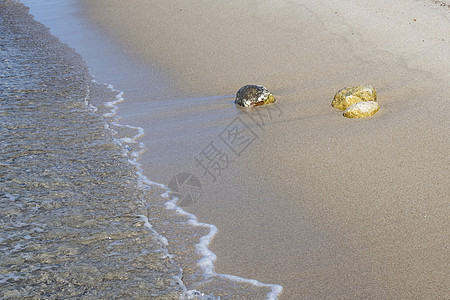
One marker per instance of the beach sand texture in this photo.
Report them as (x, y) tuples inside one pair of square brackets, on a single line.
[(327, 207)]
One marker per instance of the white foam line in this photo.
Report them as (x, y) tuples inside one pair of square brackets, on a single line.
[(208, 257), (186, 293), (147, 224), (207, 261)]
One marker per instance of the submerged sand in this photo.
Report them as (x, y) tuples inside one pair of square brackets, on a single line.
[(328, 207)]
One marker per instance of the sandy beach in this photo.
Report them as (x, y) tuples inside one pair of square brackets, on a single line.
[(327, 207)]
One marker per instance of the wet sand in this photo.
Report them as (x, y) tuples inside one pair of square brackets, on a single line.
[(328, 207)]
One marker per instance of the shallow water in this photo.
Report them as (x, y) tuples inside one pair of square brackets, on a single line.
[(68, 194), (78, 217)]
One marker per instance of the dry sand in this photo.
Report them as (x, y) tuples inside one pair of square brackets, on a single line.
[(328, 207)]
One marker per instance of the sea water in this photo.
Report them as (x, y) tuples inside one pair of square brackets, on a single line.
[(77, 214)]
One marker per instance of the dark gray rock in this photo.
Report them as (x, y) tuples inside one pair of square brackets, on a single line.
[(253, 95)]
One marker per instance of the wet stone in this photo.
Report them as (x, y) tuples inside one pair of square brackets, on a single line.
[(348, 96), (253, 95)]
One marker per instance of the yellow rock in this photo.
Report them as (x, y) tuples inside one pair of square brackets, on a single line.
[(348, 96), (362, 109)]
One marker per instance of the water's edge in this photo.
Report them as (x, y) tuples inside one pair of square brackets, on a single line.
[(178, 222)]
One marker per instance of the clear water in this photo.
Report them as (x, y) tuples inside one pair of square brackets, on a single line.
[(69, 197)]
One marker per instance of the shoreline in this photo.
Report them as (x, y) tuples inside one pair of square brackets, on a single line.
[(192, 229), (329, 207)]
